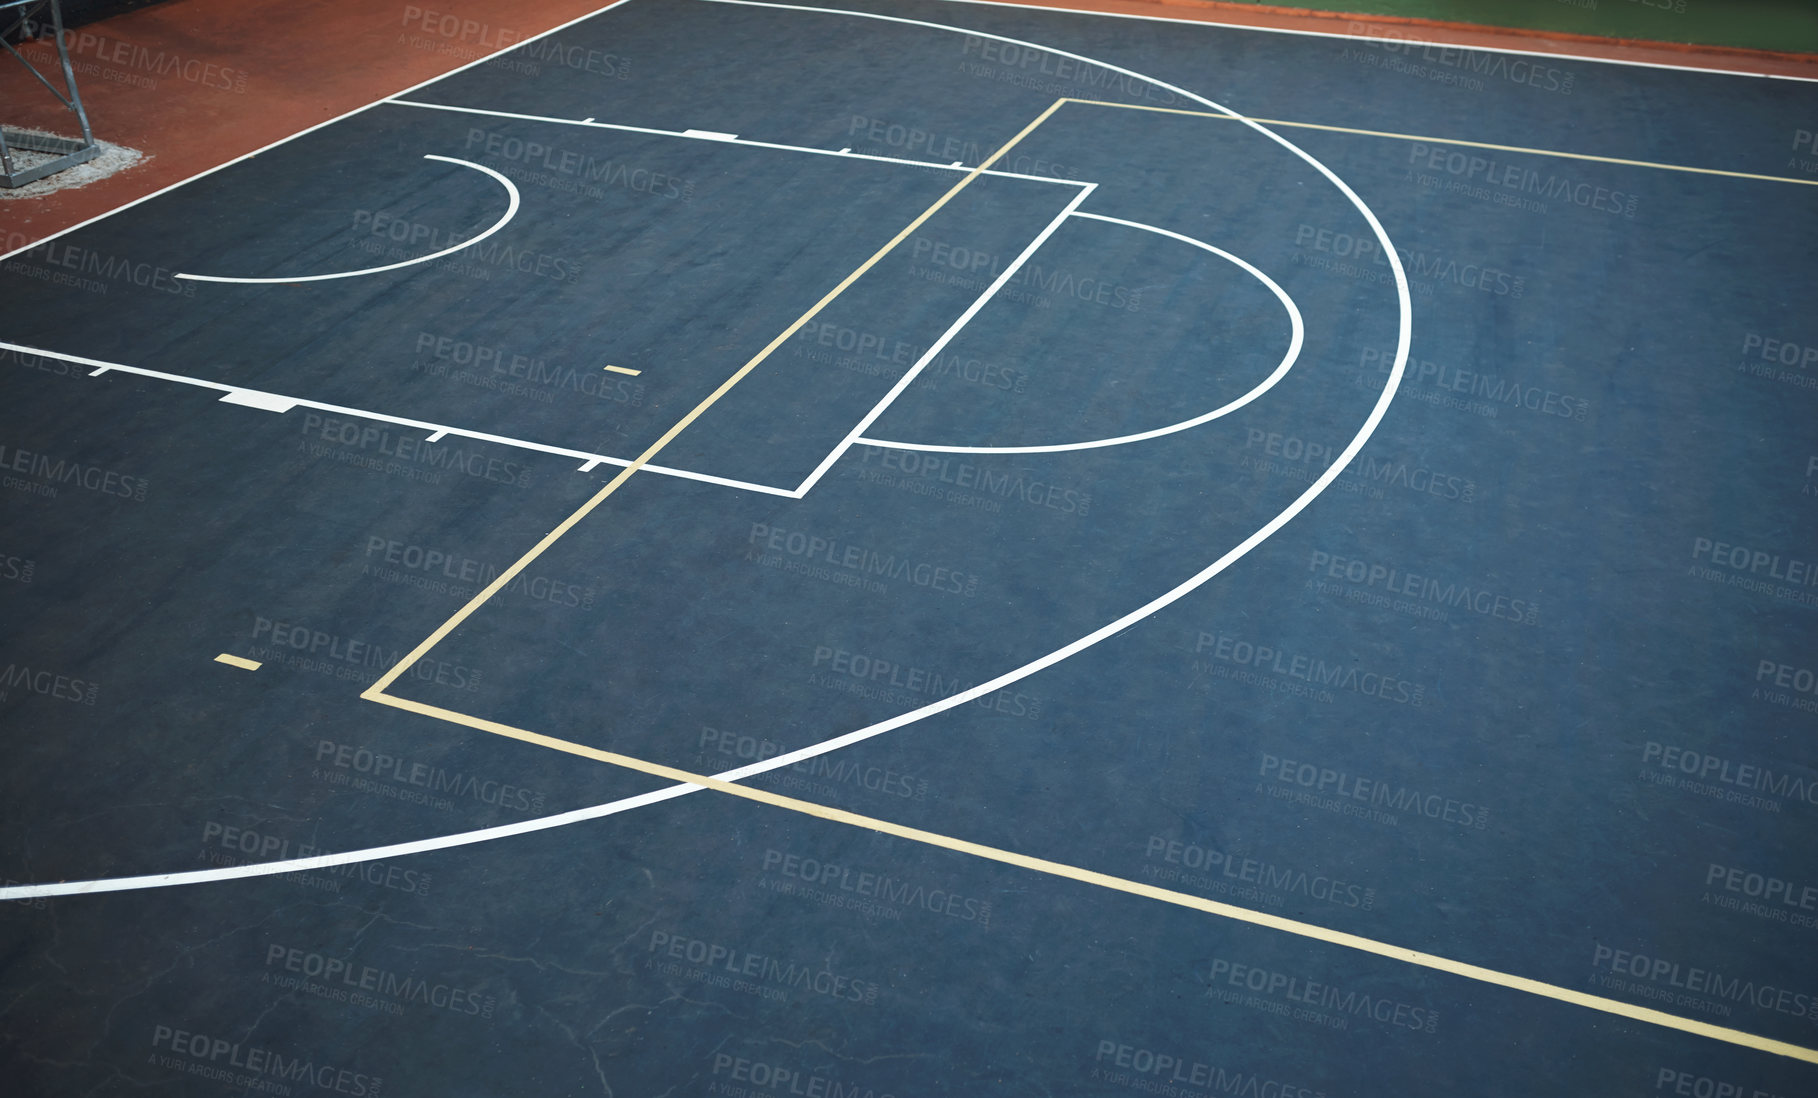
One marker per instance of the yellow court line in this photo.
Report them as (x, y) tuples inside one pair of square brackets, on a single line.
[(377, 689), (1135, 888), (623, 370), (236, 661), (1455, 141)]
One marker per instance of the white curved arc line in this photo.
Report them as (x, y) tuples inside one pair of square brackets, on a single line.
[(1281, 371), (1199, 579), (511, 211)]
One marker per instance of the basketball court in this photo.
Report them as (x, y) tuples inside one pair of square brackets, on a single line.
[(928, 548)]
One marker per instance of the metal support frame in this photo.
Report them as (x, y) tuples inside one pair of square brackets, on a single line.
[(67, 152)]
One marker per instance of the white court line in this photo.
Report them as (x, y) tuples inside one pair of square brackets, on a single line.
[(700, 135), (1398, 43), (1339, 464), (329, 861), (253, 398), (1281, 371), (511, 211), (257, 398), (940, 344)]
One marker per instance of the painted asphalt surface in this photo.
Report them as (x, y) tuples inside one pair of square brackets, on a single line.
[(1521, 688)]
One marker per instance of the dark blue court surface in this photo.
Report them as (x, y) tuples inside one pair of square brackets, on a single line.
[(927, 549)]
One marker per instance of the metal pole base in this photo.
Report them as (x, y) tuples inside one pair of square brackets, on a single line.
[(65, 152)]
